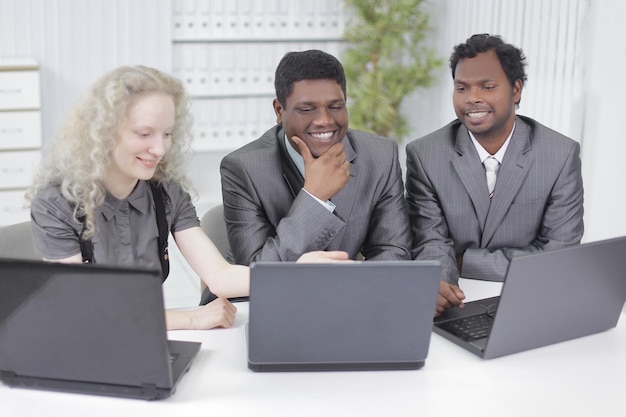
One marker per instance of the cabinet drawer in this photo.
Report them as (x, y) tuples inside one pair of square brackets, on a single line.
[(19, 90), (13, 207), (20, 129), (17, 168)]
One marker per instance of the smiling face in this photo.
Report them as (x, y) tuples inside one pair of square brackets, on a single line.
[(142, 141), (484, 100), (316, 112)]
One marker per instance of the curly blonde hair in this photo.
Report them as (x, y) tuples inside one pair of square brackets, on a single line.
[(77, 158)]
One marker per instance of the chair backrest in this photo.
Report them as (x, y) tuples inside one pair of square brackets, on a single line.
[(215, 228), (16, 241)]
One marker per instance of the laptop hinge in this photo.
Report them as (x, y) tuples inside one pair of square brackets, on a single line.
[(8, 377)]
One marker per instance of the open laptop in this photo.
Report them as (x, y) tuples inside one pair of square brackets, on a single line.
[(547, 297), (87, 329), (341, 316)]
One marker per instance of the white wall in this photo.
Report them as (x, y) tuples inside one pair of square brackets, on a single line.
[(548, 33), (76, 41), (604, 142)]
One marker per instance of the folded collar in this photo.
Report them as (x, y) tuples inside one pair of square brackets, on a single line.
[(138, 199)]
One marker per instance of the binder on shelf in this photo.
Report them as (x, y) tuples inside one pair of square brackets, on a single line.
[(178, 20), (282, 17), (204, 20), (202, 71), (227, 117), (217, 64), (259, 20), (218, 14), (189, 20), (187, 67), (231, 26)]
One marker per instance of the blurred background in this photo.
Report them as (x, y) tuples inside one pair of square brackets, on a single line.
[(225, 51)]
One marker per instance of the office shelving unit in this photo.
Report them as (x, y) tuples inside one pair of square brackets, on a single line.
[(226, 53), (20, 135)]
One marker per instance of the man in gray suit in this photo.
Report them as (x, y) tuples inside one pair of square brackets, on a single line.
[(458, 216), (310, 183)]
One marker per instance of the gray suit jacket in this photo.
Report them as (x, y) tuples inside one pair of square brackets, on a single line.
[(537, 203), (269, 218)]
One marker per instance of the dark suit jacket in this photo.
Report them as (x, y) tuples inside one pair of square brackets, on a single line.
[(269, 218), (537, 203)]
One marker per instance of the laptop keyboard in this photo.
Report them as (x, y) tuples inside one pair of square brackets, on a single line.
[(470, 328)]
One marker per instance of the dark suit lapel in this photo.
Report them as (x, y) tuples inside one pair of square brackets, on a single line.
[(345, 199), (292, 176), (512, 173), (472, 174)]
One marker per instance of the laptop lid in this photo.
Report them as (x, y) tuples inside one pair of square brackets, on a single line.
[(87, 328), (550, 297), (341, 316)]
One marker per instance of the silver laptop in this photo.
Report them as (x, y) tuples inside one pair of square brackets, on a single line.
[(547, 297), (87, 329), (342, 316)]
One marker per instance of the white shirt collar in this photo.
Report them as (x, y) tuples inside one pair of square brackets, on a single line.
[(483, 154)]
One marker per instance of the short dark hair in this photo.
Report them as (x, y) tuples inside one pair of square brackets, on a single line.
[(306, 65), (511, 58)]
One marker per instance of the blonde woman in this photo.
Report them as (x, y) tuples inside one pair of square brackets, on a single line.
[(112, 185)]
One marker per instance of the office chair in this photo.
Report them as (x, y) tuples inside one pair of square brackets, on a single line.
[(213, 225), (215, 228), (16, 241)]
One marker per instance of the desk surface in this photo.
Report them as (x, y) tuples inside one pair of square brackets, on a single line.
[(585, 376)]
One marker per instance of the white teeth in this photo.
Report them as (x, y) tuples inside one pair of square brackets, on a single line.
[(149, 163), (322, 136), (477, 115)]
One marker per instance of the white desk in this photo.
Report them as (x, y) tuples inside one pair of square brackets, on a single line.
[(583, 377)]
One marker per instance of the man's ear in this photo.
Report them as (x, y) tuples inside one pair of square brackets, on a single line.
[(517, 92), (278, 110)]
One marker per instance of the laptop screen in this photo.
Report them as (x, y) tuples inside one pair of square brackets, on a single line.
[(82, 323)]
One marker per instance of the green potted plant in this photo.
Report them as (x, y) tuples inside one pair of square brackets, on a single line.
[(385, 61)]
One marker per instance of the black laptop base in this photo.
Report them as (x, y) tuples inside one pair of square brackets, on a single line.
[(473, 308), (344, 366), (147, 392)]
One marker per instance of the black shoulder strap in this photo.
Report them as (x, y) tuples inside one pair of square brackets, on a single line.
[(86, 246), (157, 195)]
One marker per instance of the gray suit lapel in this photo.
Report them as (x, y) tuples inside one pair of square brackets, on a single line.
[(472, 174), (511, 175), (345, 199)]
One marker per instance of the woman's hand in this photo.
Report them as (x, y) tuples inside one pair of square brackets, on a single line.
[(218, 313), (321, 256)]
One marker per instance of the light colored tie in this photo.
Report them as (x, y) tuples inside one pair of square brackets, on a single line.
[(491, 168)]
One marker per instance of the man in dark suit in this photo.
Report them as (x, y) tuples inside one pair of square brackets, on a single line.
[(474, 221), (310, 183)]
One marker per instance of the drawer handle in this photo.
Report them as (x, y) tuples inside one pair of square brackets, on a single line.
[(12, 130), (12, 170), (13, 209), (11, 91)]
